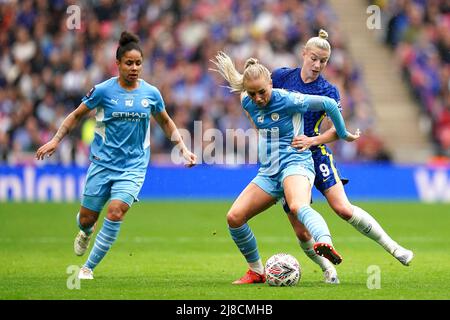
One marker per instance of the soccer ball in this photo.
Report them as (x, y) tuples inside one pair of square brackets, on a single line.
[(282, 270)]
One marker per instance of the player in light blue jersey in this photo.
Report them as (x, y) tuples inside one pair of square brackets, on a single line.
[(309, 80), (120, 151), (278, 117)]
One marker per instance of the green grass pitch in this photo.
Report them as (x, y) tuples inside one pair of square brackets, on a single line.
[(182, 250)]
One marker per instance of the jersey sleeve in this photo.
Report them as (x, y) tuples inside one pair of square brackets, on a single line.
[(330, 106), (295, 102), (159, 105), (334, 94), (93, 98)]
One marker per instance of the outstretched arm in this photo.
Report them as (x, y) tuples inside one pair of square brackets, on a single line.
[(320, 103), (303, 142), (69, 123), (172, 133)]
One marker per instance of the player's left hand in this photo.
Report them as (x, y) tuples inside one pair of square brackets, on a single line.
[(47, 149), (191, 159), (302, 143)]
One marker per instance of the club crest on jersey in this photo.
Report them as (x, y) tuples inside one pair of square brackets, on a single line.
[(129, 103), (275, 116), (145, 103)]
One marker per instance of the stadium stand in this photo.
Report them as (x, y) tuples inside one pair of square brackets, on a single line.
[(46, 68), (418, 33)]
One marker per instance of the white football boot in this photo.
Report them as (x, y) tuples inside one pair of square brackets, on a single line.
[(81, 243), (403, 255), (82, 240), (331, 276), (85, 273)]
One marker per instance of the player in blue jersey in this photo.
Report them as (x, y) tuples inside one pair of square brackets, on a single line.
[(120, 151), (308, 80), (278, 117)]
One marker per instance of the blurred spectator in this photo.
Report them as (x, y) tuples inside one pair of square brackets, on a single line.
[(370, 148), (419, 33), (46, 68)]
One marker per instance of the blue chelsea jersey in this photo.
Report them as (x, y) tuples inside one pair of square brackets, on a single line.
[(277, 123), (290, 79), (122, 131)]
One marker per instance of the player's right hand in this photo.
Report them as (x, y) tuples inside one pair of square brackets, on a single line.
[(47, 149), (302, 142), (191, 158), (352, 137)]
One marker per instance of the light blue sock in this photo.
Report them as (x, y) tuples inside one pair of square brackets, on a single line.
[(246, 242), (87, 230), (315, 224), (103, 242)]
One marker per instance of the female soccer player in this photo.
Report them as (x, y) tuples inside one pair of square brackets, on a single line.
[(308, 80), (277, 115), (120, 151)]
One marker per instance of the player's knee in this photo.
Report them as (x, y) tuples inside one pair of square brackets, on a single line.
[(234, 219), (87, 220), (343, 210), (115, 213), (295, 207)]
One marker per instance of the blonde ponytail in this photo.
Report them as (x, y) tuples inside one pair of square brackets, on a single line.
[(250, 62), (226, 68), (253, 70)]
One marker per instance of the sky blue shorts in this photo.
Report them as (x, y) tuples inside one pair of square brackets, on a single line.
[(273, 185), (103, 184)]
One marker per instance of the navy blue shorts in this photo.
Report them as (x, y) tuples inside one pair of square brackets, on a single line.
[(327, 175)]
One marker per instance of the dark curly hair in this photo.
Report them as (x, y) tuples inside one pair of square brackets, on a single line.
[(128, 41)]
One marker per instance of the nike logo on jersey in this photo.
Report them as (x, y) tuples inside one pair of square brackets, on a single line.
[(114, 101)]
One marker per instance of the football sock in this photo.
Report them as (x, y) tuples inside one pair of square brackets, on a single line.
[(87, 230), (368, 226), (103, 242), (246, 242), (309, 251), (257, 266), (315, 224)]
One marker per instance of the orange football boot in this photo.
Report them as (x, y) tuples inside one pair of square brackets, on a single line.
[(327, 251), (251, 277)]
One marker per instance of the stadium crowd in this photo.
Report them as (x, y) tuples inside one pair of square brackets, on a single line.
[(419, 33), (46, 66)]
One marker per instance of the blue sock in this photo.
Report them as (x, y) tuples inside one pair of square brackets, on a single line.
[(87, 230), (103, 242), (246, 242), (315, 224)]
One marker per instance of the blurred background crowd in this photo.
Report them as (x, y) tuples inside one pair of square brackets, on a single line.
[(46, 67), (419, 34)]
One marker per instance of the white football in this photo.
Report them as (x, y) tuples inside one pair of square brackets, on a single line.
[(282, 270)]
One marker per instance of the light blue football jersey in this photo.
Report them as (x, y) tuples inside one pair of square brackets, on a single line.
[(280, 121), (122, 131)]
